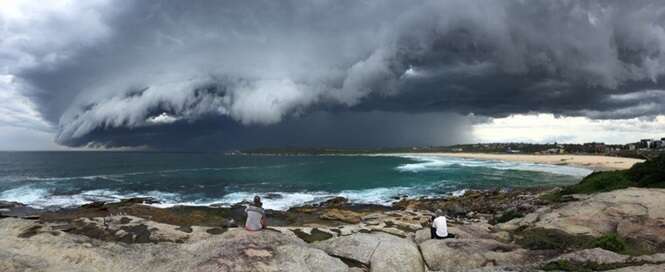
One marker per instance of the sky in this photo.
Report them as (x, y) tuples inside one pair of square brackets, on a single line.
[(217, 75)]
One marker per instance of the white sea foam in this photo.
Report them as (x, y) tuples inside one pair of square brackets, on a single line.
[(24, 194), (41, 198), (438, 162)]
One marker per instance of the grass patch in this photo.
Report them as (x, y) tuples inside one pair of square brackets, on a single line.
[(648, 174), (551, 239), (600, 182)]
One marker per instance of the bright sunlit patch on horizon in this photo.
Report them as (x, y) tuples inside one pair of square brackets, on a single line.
[(163, 118), (546, 128)]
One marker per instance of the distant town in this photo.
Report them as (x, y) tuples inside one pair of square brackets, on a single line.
[(644, 148)]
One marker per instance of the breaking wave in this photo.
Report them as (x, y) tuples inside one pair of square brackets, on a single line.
[(435, 163), (41, 198)]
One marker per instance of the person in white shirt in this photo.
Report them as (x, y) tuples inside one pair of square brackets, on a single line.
[(256, 219), (439, 228)]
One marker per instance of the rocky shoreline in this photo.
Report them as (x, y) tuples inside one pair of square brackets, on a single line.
[(517, 230)]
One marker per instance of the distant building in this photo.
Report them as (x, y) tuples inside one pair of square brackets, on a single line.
[(658, 144), (555, 151), (594, 147), (646, 143)]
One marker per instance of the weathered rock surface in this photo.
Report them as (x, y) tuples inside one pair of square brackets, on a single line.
[(49, 249), (594, 255), (378, 251), (465, 254), (239, 250), (601, 259), (633, 213), (342, 215), (641, 268)]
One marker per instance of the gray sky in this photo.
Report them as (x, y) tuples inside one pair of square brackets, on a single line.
[(230, 74)]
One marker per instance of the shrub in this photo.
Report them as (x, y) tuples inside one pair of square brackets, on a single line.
[(650, 173), (600, 182), (610, 242)]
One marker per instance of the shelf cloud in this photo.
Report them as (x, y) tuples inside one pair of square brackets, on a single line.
[(237, 73)]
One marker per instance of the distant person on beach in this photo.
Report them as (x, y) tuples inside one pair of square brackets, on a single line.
[(439, 229), (256, 218)]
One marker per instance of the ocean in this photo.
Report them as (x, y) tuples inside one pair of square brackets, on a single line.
[(65, 179)]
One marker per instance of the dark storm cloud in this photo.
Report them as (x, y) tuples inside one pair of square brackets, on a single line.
[(317, 129), (252, 72)]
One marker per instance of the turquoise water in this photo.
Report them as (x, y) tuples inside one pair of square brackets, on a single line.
[(43, 179)]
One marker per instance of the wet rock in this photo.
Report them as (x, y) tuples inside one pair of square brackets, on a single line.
[(467, 254), (10, 204), (474, 203), (334, 202)]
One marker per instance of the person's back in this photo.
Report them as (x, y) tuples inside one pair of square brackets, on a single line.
[(255, 216), (441, 227)]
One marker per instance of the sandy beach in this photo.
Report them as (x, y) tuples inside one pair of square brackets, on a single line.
[(593, 162)]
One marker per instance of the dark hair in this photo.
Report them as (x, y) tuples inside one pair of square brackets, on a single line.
[(257, 201)]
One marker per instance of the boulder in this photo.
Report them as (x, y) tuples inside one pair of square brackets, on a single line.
[(396, 255), (378, 251), (634, 213), (422, 235), (467, 254)]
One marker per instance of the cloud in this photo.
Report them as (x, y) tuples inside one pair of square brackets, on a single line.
[(547, 128), (119, 71)]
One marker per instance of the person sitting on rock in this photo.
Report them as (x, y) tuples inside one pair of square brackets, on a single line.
[(439, 229), (256, 218)]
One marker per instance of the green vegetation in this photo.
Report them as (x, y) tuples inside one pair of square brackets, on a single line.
[(610, 242), (649, 174), (551, 239), (600, 182), (508, 215)]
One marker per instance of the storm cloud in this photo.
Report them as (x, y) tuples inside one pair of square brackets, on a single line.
[(243, 73)]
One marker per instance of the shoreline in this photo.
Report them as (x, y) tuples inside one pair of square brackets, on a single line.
[(592, 162)]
